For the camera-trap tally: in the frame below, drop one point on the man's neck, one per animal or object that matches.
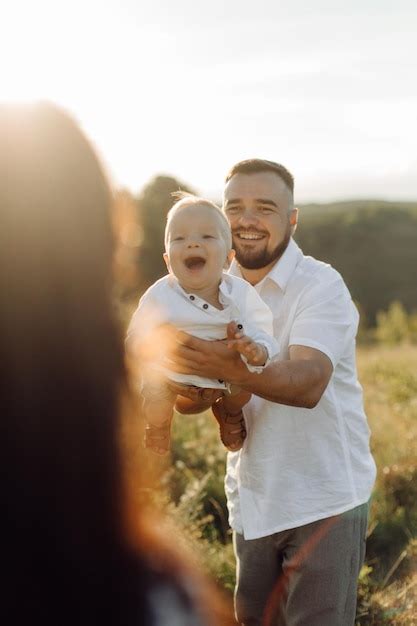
(255, 276)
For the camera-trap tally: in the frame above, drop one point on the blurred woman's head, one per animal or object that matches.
(61, 365)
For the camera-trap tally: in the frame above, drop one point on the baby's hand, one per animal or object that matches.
(255, 353)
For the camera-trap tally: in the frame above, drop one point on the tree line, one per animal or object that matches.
(372, 244)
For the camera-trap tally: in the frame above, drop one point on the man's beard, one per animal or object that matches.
(256, 261)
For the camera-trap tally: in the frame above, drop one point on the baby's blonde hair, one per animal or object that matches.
(185, 200)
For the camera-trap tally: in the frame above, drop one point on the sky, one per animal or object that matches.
(188, 88)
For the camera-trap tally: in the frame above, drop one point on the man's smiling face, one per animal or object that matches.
(259, 207)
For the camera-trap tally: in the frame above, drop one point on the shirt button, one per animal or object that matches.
(192, 297)
(205, 306)
(220, 380)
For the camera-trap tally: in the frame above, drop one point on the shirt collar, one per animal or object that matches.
(281, 272)
(224, 290)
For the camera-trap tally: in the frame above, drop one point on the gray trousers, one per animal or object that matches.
(305, 576)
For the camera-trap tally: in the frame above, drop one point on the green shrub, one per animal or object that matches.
(392, 326)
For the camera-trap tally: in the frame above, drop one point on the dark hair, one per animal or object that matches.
(254, 166)
(64, 557)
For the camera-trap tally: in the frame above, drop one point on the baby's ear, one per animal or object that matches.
(166, 259)
(229, 259)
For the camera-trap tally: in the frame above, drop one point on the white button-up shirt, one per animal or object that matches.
(301, 465)
(167, 302)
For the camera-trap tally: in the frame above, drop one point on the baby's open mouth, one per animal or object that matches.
(195, 262)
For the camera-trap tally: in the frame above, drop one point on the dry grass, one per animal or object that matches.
(389, 379)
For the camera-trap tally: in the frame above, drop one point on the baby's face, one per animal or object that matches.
(196, 251)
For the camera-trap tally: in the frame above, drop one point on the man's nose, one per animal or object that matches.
(248, 218)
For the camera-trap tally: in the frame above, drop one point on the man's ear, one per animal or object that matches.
(293, 219)
(229, 259)
(166, 259)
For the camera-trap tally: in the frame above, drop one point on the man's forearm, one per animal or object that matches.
(294, 383)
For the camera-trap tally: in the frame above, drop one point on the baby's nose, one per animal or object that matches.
(193, 243)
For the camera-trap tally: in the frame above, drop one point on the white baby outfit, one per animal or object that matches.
(167, 302)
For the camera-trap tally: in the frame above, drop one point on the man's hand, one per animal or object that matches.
(211, 359)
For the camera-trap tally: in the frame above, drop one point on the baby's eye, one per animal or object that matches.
(208, 237)
(177, 239)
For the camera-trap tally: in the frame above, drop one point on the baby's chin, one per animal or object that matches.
(196, 283)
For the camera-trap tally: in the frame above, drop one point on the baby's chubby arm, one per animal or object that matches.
(255, 353)
(147, 339)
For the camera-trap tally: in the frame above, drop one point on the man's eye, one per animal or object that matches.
(265, 209)
(233, 210)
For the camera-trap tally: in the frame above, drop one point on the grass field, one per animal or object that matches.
(388, 583)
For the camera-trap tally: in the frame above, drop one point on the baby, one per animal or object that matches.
(200, 298)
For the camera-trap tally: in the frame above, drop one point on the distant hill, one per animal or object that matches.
(352, 205)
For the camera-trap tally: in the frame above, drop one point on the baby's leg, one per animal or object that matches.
(235, 399)
(228, 413)
(158, 408)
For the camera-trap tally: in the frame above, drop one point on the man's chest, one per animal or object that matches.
(283, 306)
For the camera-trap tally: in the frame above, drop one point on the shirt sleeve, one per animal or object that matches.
(326, 318)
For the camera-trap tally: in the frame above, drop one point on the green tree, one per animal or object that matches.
(153, 204)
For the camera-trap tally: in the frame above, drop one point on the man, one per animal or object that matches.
(298, 490)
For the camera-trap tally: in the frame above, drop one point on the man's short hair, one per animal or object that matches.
(254, 166)
(184, 200)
